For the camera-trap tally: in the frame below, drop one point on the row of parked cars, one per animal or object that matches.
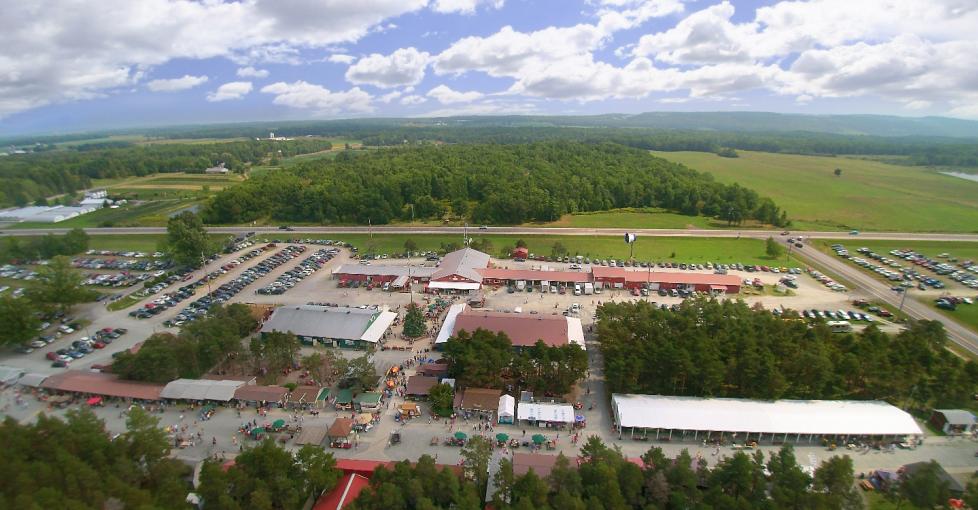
(17, 273)
(305, 268)
(128, 254)
(825, 280)
(229, 289)
(837, 315)
(96, 263)
(85, 345)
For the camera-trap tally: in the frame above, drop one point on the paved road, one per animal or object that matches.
(757, 234)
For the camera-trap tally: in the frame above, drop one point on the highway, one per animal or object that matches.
(961, 335)
(520, 230)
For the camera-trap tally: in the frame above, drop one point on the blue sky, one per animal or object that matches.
(69, 66)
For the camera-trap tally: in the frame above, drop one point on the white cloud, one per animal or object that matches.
(403, 67)
(413, 100)
(174, 84)
(445, 95)
(52, 51)
(308, 96)
(230, 91)
(251, 72)
(464, 6)
(340, 58)
(390, 96)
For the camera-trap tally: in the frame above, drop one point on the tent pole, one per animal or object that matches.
(670, 434)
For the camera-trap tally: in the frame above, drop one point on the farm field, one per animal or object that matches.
(683, 249)
(869, 195)
(638, 218)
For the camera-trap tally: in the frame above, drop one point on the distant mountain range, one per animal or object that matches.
(720, 122)
(874, 125)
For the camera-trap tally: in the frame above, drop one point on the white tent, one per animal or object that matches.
(551, 413)
(507, 409)
(789, 417)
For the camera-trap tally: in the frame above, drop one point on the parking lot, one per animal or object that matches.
(284, 274)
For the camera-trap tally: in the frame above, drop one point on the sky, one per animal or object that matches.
(71, 65)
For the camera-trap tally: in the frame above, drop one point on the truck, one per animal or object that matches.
(520, 285)
(588, 288)
(839, 326)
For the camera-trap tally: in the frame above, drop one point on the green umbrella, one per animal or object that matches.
(257, 430)
(502, 437)
(277, 424)
(460, 435)
(539, 438)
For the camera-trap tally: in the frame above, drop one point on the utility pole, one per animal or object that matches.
(465, 234)
(370, 229)
(903, 298)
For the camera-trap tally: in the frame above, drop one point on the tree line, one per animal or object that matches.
(14, 250)
(74, 463)
(510, 184)
(200, 345)
(26, 178)
(710, 348)
(487, 360)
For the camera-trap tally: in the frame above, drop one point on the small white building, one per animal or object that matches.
(219, 169)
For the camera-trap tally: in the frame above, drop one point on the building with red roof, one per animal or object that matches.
(347, 490)
(523, 329)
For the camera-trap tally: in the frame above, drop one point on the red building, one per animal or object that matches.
(616, 277)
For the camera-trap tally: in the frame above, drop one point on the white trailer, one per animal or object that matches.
(588, 288)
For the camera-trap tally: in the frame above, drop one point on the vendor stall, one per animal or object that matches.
(340, 433)
(507, 409)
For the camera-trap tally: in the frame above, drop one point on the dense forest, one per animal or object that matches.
(74, 463)
(601, 478)
(198, 347)
(508, 184)
(727, 349)
(483, 359)
(25, 178)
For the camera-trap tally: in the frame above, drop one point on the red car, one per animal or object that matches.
(98, 345)
(51, 355)
(634, 292)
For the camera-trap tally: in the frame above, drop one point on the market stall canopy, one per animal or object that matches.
(460, 435)
(507, 406)
(311, 434)
(8, 375)
(502, 436)
(201, 389)
(97, 383)
(94, 401)
(256, 393)
(341, 427)
(277, 424)
(364, 418)
(32, 379)
(539, 438)
(554, 413)
(824, 417)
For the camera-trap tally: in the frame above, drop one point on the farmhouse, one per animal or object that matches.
(338, 326)
(523, 329)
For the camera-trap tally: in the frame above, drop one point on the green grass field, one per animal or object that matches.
(869, 195)
(674, 249)
(639, 218)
